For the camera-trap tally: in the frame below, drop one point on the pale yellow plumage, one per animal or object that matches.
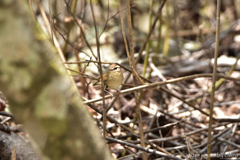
(112, 78)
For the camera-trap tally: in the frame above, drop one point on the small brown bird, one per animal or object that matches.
(112, 78)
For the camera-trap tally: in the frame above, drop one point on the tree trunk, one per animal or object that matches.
(40, 93)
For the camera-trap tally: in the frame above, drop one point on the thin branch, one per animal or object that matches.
(80, 26)
(151, 30)
(214, 80)
(108, 19)
(81, 73)
(145, 86)
(100, 71)
(69, 43)
(154, 152)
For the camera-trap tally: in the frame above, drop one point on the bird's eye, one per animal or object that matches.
(115, 68)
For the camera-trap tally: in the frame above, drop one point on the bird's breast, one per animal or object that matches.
(114, 80)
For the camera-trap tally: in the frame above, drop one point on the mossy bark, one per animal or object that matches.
(40, 93)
